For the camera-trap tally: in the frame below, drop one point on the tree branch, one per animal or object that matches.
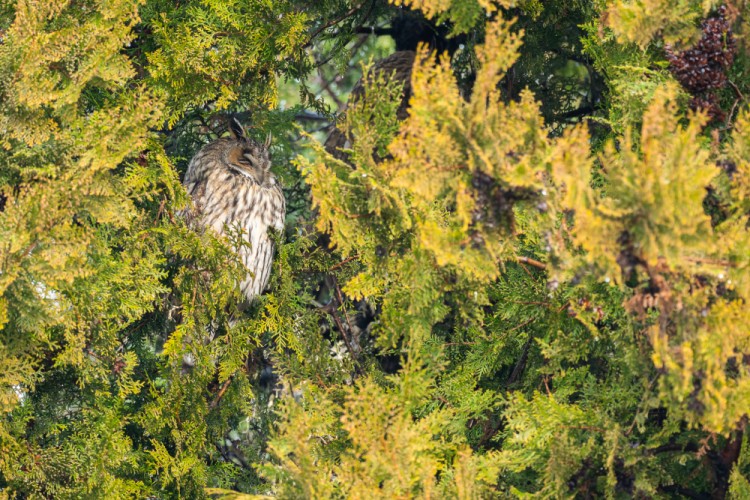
(221, 392)
(574, 113)
(312, 117)
(531, 262)
(345, 261)
(521, 364)
(332, 22)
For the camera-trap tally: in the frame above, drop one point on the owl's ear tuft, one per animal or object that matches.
(268, 140)
(236, 129)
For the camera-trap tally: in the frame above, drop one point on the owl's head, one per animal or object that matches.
(246, 157)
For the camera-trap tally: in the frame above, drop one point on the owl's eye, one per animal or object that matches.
(248, 159)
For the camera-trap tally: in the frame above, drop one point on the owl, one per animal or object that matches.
(231, 185)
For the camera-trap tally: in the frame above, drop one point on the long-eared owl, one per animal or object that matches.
(231, 184)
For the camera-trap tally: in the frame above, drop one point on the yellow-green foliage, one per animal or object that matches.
(425, 187)
(652, 205)
(653, 193)
(488, 306)
(388, 452)
(641, 21)
(463, 14)
(646, 207)
(237, 42)
(83, 255)
(62, 155)
(53, 52)
(733, 234)
(444, 143)
(705, 374)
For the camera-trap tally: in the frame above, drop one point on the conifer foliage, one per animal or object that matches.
(533, 285)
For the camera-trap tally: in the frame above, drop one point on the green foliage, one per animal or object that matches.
(632, 75)
(358, 452)
(440, 163)
(205, 49)
(486, 299)
(654, 197)
(640, 22)
(463, 15)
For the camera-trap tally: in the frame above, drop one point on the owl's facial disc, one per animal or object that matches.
(250, 161)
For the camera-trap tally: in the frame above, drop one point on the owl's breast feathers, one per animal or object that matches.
(222, 198)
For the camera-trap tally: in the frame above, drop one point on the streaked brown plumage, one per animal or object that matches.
(230, 183)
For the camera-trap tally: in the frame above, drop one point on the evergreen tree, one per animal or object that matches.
(535, 284)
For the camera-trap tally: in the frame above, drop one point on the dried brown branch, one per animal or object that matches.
(343, 262)
(711, 262)
(531, 262)
(220, 394)
(160, 211)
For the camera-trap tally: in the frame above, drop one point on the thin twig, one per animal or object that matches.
(332, 310)
(352, 52)
(740, 97)
(362, 40)
(331, 23)
(736, 90)
(351, 216)
(711, 262)
(30, 248)
(518, 327)
(334, 314)
(341, 302)
(160, 211)
(325, 86)
(532, 262)
(343, 262)
(95, 355)
(526, 270)
(221, 392)
(545, 379)
(521, 364)
(443, 400)
(731, 114)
